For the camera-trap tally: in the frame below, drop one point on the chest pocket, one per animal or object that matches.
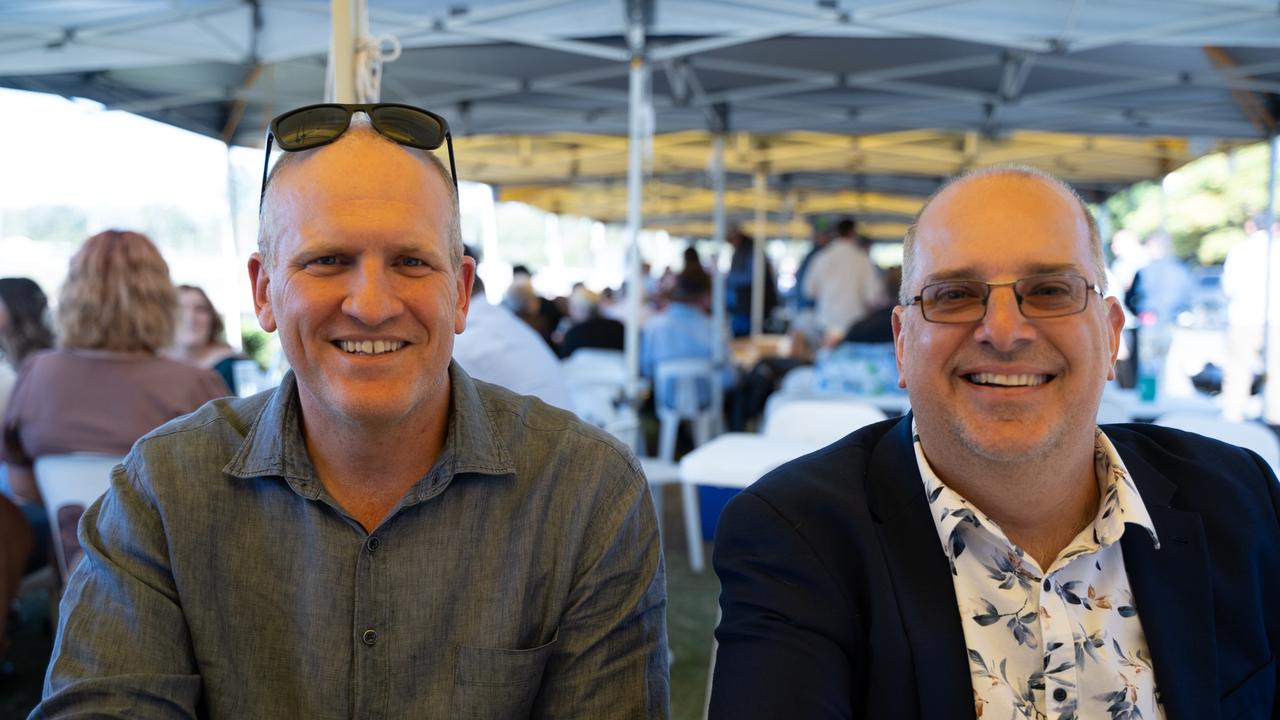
(496, 683)
(1253, 698)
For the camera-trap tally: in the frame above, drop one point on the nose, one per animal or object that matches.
(1004, 327)
(372, 297)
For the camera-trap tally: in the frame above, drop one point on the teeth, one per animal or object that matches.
(371, 347)
(1008, 380)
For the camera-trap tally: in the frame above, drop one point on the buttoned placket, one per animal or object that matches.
(370, 632)
(1058, 643)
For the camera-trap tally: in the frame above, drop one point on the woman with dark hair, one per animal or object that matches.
(24, 323)
(104, 386)
(200, 338)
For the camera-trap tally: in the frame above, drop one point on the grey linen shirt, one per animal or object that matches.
(522, 577)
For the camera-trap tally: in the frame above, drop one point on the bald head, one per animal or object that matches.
(992, 182)
(361, 138)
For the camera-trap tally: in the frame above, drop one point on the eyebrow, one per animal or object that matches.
(972, 273)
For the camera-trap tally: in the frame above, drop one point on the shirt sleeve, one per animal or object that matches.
(778, 653)
(123, 648)
(610, 659)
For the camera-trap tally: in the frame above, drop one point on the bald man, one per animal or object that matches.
(995, 553)
(381, 536)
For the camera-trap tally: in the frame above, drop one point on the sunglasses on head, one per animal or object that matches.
(314, 125)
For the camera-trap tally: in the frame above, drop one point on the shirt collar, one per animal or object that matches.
(1121, 504)
(274, 445)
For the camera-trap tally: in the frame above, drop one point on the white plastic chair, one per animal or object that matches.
(825, 420)
(71, 479)
(594, 366)
(677, 397)
(1251, 435)
(679, 387)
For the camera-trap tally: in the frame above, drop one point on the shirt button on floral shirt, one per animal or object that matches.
(1056, 644)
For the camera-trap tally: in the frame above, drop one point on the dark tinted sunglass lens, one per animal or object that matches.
(310, 127)
(408, 126)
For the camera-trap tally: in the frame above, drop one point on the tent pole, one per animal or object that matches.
(635, 185)
(719, 324)
(718, 223)
(341, 76)
(760, 182)
(1271, 359)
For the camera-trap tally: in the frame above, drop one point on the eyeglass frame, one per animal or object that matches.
(352, 109)
(1089, 286)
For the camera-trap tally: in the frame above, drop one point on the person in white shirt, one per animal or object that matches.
(500, 348)
(1249, 292)
(843, 283)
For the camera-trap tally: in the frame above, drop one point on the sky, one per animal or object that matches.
(74, 152)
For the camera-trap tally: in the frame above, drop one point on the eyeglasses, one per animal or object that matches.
(314, 125)
(1039, 296)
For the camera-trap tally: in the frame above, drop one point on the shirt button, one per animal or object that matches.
(372, 543)
(370, 637)
(1047, 586)
(1059, 694)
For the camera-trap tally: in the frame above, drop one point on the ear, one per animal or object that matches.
(259, 280)
(899, 343)
(1115, 326)
(466, 278)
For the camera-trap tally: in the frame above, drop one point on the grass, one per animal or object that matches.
(691, 613)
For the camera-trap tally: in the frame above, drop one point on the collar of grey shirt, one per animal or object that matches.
(274, 444)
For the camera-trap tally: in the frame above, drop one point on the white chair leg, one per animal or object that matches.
(692, 525)
(667, 427)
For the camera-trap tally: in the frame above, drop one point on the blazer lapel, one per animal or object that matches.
(1173, 591)
(921, 577)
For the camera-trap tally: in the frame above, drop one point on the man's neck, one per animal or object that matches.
(368, 469)
(1040, 504)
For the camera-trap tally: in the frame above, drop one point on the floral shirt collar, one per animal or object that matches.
(1060, 643)
(1120, 505)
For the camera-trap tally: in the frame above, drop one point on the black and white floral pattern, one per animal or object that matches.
(1057, 644)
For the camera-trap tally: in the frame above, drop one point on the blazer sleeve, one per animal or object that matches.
(786, 634)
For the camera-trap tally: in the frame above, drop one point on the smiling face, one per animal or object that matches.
(360, 284)
(1006, 389)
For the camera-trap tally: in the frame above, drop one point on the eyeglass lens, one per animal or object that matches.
(310, 127)
(1040, 296)
(408, 127)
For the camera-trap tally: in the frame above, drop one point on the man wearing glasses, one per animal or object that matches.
(381, 536)
(994, 553)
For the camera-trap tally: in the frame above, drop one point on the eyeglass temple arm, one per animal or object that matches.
(266, 163)
(453, 171)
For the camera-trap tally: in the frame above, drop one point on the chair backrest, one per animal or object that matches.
(71, 479)
(1254, 436)
(683, 387)
(594, 366)
(825, 420)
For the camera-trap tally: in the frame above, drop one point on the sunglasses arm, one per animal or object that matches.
(453, 171)
(266, 163)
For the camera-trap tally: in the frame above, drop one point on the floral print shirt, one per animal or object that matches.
(1061, 644)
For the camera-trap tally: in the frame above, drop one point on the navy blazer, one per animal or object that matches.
(837, 599)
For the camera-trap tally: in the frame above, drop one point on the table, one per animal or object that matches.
(1147, 411)
(733, 460)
